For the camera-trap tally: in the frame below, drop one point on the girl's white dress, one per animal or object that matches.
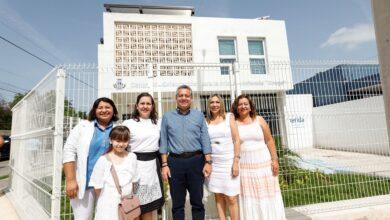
(221, 180)
(101, 178)
(260, 196)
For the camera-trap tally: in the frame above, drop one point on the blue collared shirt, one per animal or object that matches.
(184, 132)
(99, 145)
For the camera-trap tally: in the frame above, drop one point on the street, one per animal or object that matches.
(4, 171)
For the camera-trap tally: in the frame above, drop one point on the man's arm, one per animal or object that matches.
(165, 171)
(164, 137)
(206, 147)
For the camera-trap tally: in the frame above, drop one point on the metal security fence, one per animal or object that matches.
(36, 149)
(327, 118)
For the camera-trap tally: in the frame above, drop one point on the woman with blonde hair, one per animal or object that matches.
(224, 181)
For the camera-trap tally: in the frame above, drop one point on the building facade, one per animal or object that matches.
(155, 49)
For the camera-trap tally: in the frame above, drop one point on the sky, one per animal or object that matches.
(68, 32)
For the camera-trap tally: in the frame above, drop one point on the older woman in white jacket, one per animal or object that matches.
(87, 141)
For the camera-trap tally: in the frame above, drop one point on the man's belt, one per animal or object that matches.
(186, 154)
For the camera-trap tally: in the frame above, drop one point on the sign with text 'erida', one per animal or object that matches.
(297, 122)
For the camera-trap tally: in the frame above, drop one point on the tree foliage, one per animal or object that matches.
(6, 113)
(17, 98)
(70, 111)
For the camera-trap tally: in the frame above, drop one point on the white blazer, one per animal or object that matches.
(76, 149)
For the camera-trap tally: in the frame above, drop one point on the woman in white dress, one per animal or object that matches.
(224, 180)
(260, 196)
(125, 165)
(144, 142)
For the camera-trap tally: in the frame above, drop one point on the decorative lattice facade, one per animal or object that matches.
(136, 45)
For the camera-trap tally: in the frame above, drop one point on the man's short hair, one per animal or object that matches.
(183, 87)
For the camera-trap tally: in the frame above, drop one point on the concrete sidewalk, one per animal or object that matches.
(7, 211)
(333, 161)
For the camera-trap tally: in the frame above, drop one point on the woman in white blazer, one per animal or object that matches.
(87, 141)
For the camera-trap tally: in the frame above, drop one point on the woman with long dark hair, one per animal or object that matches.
(144, 142)
(87, 141)
(260, 196)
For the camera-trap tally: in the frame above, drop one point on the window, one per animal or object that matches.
(257, 66)
(226, 47)
(225, 69)
(256, 56)
(227, 53)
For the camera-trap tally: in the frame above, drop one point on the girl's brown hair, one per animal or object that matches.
(119, 133)
(221, 110)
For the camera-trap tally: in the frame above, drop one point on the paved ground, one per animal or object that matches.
(331, 161)
(371, 208)
(7, 211)
(328, 161)
(4, 171)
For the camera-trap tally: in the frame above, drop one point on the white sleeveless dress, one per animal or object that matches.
(221, 180)
(260, 196)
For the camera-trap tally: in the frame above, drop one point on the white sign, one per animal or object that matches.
(297, 122)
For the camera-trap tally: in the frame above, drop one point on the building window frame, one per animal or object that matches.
(257, 62)
(227, 58)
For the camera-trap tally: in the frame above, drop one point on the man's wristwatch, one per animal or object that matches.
(209, 162)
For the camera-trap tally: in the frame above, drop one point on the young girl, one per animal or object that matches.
(125, 165)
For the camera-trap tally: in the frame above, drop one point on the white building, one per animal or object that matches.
(137, 35)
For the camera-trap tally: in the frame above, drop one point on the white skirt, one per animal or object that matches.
(260, 196)
(221, 179)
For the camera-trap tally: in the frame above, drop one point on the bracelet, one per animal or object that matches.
(238, 156)
(274, 159)
(164, 165)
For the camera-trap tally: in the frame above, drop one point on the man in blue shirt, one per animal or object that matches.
(185, 138)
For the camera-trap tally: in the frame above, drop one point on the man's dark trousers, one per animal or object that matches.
(186, 174)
